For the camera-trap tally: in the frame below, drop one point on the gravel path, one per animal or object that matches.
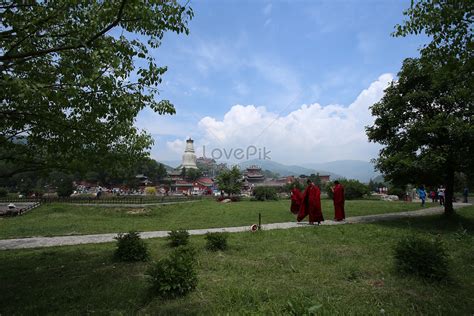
(38, 242)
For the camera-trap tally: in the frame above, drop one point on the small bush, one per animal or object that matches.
(421, 257)
(174, 276)
(130, 247)
(216, 241)
(150, 191)
(178, 238)
(400, 192)
(265, 193)
(234, 198)
(3, 192)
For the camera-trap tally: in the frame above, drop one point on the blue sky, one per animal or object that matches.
(296, 77)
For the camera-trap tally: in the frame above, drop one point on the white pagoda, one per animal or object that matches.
(189, 157)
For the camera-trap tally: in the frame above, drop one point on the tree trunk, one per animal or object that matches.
(448, 194)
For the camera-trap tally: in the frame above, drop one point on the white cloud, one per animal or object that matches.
(177, 146)
(309, 134)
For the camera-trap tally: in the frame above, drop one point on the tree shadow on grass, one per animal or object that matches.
(436, 224)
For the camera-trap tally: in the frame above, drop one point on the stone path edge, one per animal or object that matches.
(40, 242)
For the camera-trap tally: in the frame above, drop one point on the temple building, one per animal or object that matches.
(253, 174)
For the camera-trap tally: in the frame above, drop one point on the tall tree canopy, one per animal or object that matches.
(425, 118)
(75, 74)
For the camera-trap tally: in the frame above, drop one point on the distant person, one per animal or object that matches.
(99, 193)
(441, 195)
(433, 196)
(311, 204)
(465, 194)
(422, 195)
(296, 199)
(338, 199)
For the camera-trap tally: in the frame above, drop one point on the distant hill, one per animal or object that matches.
(350, 169)
(171, 163)
(285, 170)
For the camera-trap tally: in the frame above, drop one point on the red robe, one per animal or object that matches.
(311, 204)
(296, 199)
(338, 198)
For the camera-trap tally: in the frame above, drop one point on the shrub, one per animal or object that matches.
(150, 191)
(234, 198)
(3, 192)
(421, 257)
(216, 241)
(265, 193)
(174, 276)
(130, 247)
(400, 192)
(353, 189)
(178, 238)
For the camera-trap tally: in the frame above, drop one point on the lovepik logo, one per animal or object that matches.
(247, 153)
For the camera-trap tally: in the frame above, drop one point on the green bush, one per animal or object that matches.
(130, 247)
(353, 189)
(216, 241)
(175, 275)
(265, 193)
(421, 257)
(178, 238)
(3, 192)
(400, 192)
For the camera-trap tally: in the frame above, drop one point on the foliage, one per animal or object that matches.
(64, 185)
(353, 189)
(315, 178)
(230, 181)
(425, 118)
(263, 193)
(178, 238)
(150, 191)
(216, 241)
(295, 184)
(193, 174)
(3, 192)
(421, 257)
(174, 276)
(301, 306)
(374, 185)
(398, 191)
(71, 88)
(130, 247)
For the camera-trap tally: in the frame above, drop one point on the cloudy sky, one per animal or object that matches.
(292, 78)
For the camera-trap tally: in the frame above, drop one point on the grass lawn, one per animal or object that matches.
(66, 219)
(345, 269)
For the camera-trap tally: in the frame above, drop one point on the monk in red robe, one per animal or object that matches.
(311, 204)
(338, 197)
(296, 199)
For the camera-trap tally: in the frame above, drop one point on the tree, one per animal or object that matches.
(193, 174)
(71, 88)
(230, 181)
(425, 118)
(316, 179)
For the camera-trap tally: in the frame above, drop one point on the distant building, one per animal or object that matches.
(253, 175)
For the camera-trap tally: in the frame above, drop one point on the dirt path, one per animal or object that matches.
(38, 242)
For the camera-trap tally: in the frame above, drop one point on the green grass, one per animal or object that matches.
(346, 269)
(65, 219)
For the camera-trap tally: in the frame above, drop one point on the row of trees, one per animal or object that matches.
(39, 182)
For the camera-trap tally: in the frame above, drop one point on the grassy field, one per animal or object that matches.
(65, 219)
(343, 269)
